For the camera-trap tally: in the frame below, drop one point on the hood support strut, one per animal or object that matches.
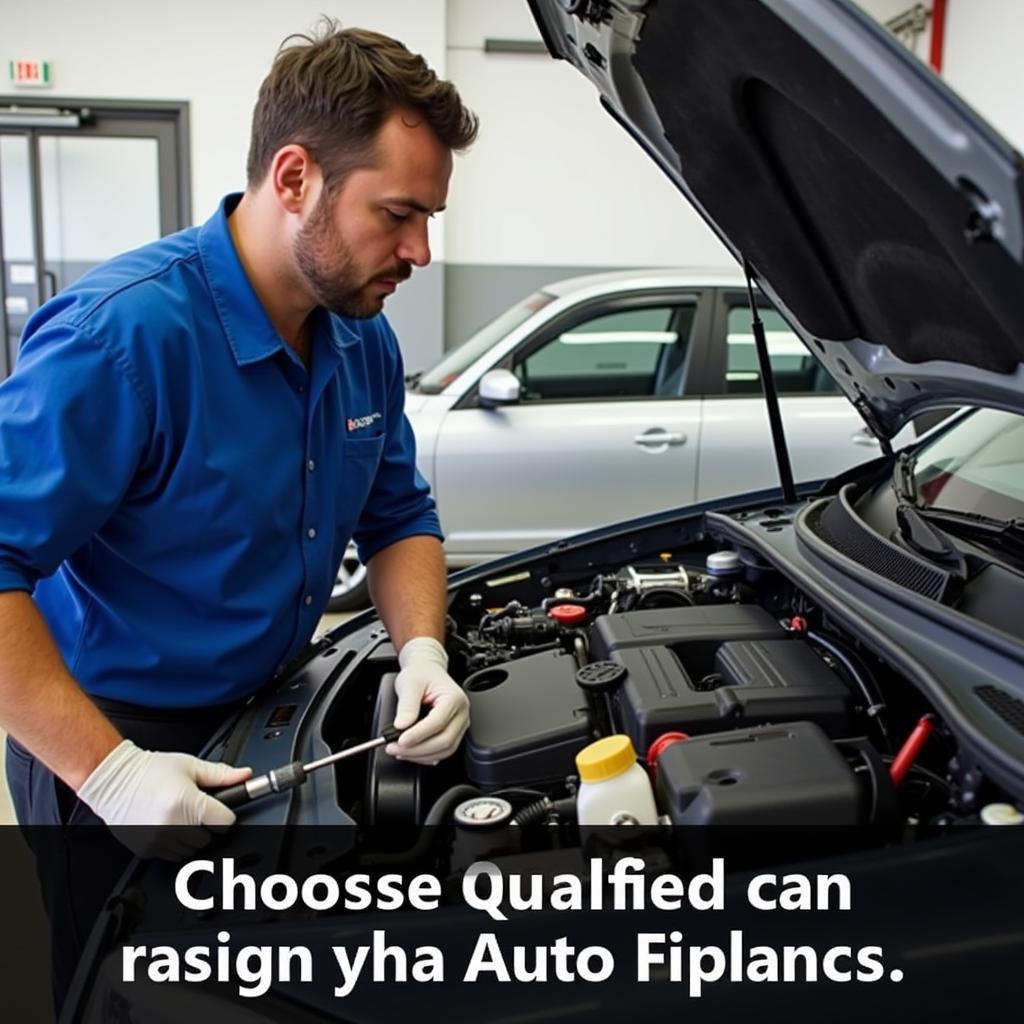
(771, 396)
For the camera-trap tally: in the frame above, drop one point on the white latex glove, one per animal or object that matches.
(134, 787)
(424, 679)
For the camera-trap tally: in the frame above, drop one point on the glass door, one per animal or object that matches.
(79, 184)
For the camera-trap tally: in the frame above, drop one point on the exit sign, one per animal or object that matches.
(30, 73)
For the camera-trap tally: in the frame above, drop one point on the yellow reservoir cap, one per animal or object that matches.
(605, 758)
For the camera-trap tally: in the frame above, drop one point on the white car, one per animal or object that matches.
(604, 397)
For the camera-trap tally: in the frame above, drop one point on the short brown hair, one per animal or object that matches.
(331, 91)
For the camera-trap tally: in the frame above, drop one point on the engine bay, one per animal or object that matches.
(740, 715)
(701, 701)
(743, 701)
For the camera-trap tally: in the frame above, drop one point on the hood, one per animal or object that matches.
(879, 212)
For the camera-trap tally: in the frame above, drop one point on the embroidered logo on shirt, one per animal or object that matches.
(361, 421)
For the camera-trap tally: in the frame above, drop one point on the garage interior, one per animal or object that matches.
(487, 254)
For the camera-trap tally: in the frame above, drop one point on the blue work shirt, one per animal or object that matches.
(177, 490)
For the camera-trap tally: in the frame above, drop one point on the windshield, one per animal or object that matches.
(459, 359)
(977, 466)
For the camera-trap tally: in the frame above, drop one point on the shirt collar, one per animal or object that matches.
(246, 325)
(250, 333)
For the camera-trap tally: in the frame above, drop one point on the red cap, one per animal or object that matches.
(568, 614)
(798, 624)
(666, 739)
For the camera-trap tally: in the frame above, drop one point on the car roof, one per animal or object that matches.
(650, 277)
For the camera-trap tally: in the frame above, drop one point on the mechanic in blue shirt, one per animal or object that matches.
(192, 434)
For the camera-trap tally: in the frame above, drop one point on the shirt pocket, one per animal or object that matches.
(364, 449)
(360, 458)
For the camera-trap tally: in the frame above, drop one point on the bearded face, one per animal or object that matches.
(334, 272)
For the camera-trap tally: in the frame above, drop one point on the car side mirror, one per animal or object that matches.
(499, 387)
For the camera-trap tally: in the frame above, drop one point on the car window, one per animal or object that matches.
(453, 363)
(794, 369)
(633, 353)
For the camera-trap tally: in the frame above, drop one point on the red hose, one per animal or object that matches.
(911, 748)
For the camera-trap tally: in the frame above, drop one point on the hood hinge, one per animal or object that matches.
(867, 414)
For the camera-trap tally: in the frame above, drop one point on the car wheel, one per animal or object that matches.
(351, 588)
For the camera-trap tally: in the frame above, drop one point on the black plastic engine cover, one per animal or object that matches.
(712, 624)
(784, 680)
(776, 775)
(767, 675)
(528, 719)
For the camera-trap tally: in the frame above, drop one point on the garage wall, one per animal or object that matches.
(214, 55)
(537, 190)
(983, 54)
(532, 202)
(533, 199)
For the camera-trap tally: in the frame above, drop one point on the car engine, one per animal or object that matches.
(743, 702)
(741, 717)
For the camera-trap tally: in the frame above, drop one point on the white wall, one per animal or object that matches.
(537, 188)
(213, 54)
(983, 60)
(553, 179)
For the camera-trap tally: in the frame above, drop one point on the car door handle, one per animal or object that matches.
(658, 438)
(862, 437)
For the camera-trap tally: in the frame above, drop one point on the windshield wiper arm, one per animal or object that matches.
(924, 538)
(1008, 533)
(912, 520)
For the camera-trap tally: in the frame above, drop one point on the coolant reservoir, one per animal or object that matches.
(614, 789)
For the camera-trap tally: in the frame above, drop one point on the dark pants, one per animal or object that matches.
(78, 867)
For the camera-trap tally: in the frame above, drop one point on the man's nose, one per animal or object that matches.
(414, 246)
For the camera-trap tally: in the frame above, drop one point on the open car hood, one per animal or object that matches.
(881, 215)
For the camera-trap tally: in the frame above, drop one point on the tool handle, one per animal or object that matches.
(233, 796)
(286, 777)
(390, 734)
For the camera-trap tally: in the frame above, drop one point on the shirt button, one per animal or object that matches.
(311, 533)
(307, 600)
(301, 388)
(311, 465)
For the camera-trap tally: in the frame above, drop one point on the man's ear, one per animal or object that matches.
(295, 179)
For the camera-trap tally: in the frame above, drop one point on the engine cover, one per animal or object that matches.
(758, 672)
(529, 718)
(527, 721)
(778, 775)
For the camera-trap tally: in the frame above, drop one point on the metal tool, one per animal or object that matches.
(291, 775)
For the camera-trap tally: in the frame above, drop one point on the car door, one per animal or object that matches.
(599, 433)
(824, 433)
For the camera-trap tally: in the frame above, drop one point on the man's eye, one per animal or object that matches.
(394, 215)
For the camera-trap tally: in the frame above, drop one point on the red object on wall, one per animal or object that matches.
(938, 34)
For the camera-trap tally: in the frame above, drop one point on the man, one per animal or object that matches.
(192, 434)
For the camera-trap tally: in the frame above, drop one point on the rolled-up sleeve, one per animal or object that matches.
(399, 504)
(73, 429)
